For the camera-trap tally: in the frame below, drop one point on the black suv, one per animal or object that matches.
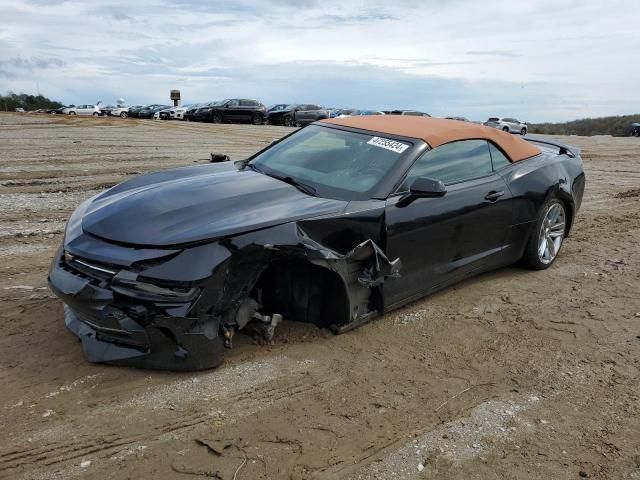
(238, 110)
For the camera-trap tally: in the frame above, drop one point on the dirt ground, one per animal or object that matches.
(510, 375)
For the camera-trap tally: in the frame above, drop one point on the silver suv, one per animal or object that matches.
(507, 125)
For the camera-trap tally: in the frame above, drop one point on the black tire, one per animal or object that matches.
(288, 121)
(96, 114)
(123, 114)
(505, 129)
(72, 113)
(636, 132)
(532, 258)
(257, 119)
(523, 132)
(217, 117)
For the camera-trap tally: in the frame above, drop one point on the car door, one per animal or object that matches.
(442, 240)
(302, 114)
(232, 110)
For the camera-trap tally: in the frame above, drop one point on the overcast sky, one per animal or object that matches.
(536, 60)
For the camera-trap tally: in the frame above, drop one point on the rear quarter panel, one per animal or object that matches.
(532, 182)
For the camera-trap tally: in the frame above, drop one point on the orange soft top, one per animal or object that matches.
(438, 131)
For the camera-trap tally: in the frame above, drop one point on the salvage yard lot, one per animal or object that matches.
(513, 374)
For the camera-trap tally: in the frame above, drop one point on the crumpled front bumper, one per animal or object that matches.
(117, 331)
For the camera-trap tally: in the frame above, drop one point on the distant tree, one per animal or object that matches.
(11, 101)
(619, 126)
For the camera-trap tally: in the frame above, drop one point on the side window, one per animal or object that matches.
(498, 158)
(232, 103)
(451, 163)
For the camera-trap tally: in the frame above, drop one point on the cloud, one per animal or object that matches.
(33, 63)
(494, 53)
(542, 61)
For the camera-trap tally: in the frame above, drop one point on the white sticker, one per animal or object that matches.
(388, 144)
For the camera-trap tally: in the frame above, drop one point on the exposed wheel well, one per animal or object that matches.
(302, 291)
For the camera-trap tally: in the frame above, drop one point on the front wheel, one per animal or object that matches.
(123, 114)
(95, 114)
(505, 129)
(523, 132)
(217, 117)
(288, 121)
(72, 113)
(547, 235)
(257, 119)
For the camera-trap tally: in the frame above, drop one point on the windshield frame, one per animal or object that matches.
(382, 190)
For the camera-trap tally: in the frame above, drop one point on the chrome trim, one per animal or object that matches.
(93, 267)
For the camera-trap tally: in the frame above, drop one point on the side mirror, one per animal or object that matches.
(422, 187)
(427, 187)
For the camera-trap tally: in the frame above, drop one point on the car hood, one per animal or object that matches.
(197, 204)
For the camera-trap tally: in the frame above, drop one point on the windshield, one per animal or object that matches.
(336, 163)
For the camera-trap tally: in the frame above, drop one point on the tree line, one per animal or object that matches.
(11, 101)
(619, 126)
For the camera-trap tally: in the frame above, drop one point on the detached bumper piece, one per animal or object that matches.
(120, 330)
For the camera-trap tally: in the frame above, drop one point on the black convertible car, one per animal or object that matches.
(334, 224)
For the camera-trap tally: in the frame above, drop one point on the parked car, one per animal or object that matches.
(161, 270)
(133, 111)
(177, 113)
(351, 112)
(19, 110)
(164, 114)
(119, 111)
(148, 111)
(203, 112)
(460, 119)
(278, 107)
(85, 110)
(635, 129)
(507, 125)
(413, 113)
(304, 114)
(275, 116)
(106, 110)
(238, 110)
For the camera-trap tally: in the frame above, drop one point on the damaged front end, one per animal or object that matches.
(178, 308)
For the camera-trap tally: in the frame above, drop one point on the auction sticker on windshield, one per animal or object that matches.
(388, 144)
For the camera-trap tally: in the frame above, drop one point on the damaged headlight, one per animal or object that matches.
(149, 291)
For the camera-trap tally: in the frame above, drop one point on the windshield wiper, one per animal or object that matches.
(303, 187)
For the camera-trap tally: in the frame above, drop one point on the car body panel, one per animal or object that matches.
(161, 270)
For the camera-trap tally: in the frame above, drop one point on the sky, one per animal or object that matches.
(536, 60)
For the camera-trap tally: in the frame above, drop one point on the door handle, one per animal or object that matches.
(493, 195)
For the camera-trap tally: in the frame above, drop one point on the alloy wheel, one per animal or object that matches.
(551, 233)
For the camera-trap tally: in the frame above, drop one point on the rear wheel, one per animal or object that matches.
(523, 132)
(72, 113)
(288, 121)
(217, 117)
(257, 119)
(547, 235)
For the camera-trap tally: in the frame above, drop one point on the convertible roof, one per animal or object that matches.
(438, 131)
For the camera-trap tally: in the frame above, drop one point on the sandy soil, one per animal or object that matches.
(513, 374)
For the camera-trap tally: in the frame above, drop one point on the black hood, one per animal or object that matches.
(197, 204)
